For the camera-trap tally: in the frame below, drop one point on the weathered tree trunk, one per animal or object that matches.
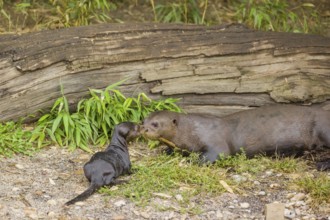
(219, 69)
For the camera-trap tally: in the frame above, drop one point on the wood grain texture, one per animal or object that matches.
(218, 69)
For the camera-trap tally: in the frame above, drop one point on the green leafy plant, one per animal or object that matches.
(95, 117)
(15, 139)
(278, 15)
(184, 11)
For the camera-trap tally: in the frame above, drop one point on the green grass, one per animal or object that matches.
(275, 15)
(15, 139)
(183, 11)
(317, 186)
(170, 175)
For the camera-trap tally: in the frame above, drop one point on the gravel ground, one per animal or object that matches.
(37, 187)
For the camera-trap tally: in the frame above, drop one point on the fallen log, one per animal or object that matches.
(217, 69)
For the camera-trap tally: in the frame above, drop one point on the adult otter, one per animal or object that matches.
(106, 165)
(265, 129)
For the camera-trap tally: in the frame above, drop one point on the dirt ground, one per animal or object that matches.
(37, 187)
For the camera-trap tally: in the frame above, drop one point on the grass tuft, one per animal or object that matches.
(317, 186)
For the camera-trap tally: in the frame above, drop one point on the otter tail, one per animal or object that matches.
(87, 193)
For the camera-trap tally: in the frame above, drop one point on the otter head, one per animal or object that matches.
(128, 130)
(161, 124)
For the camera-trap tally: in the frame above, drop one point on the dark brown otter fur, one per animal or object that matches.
(265, 129)
(105, 166)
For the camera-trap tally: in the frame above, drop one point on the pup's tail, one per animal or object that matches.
(87, 193)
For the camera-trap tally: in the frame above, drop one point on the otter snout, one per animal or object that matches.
(142, 128)
(134, 133)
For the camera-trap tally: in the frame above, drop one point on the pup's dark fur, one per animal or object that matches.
(269, 129)
(105, 166)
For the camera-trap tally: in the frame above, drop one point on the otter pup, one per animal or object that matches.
(105, 166)
(267, 129)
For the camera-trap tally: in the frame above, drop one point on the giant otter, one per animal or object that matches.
(105, 166)
(266, 129)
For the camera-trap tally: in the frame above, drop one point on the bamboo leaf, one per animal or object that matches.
(66, 123)
(56, 122)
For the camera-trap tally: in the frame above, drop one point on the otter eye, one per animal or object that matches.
(155, 124)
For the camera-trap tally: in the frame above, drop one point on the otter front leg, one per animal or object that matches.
(211, 154)
(208, 157)
(169, 150)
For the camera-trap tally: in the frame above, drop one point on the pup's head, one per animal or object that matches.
(128, 130)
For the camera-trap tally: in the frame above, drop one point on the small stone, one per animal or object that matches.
(290, 214)
(15, 189)
(289, 205)
(299, 203)
(120, 203)
(51, 181)
(31, 213)
(46, 196)
(179, 197)
(298, 212)
(231, 207)
(38, 193)
(145, 215)
(290, 195)
(298, 197)
(51, 214)
(274, 185)
(256, 182)
(269, 172)
(245, 205)
(261, 193)
(219, 215)
(19, 166)
(239, 178)
(51, 202)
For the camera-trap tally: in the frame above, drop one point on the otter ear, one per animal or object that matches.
(175, 122)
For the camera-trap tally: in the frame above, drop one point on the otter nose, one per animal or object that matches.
(143, 129)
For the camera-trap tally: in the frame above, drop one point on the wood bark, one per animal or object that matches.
(218, 69)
